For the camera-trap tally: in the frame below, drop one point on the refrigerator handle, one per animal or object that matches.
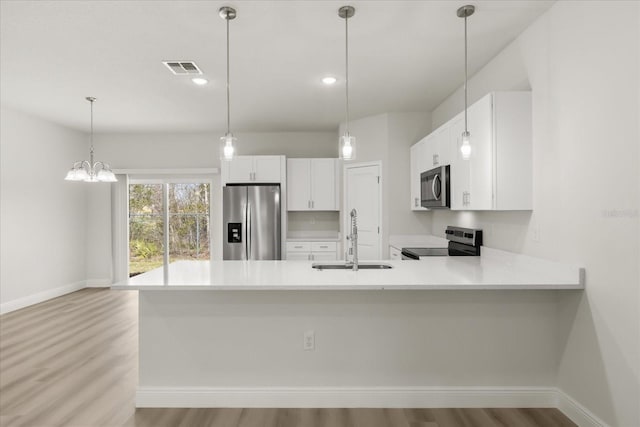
(248, 231)
(244, 230)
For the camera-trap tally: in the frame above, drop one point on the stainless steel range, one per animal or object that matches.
(462, 242)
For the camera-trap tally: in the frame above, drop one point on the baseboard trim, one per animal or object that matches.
(98, 283)
(345, 397)
(577, 412)
(23, 302)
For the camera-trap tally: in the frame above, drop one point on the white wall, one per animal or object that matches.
(42, 216)
(387, 138)
(195, 150)
(582, 67)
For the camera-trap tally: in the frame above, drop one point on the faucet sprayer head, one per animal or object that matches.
(353, 213)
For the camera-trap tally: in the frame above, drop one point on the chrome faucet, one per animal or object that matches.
(353, 238)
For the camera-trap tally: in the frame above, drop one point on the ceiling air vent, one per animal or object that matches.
(182, 67)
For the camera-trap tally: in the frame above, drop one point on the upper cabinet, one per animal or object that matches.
(498, 175)
(419, 163)
(312, 185)
(253, 169)
(430, 152)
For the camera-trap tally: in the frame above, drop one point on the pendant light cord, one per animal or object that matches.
(465, 75)
(346, 61)
(91, 136)
(228, 96)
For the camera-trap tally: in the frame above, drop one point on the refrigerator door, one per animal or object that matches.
(234, 217)
(263, 231)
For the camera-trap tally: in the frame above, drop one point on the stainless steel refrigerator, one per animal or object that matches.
(251, 221)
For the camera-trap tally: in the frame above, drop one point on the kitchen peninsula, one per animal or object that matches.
(281, 334)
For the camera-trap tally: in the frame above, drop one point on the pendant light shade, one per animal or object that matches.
(88, 170)
(228, 141)
(347, 141)
(465, 147)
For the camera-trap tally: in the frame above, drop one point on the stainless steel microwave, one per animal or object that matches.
(435, 188)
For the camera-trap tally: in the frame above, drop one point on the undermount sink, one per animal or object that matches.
(361, 266)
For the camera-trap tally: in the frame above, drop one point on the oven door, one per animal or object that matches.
(434, 188)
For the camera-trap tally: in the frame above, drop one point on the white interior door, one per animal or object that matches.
(362, 193)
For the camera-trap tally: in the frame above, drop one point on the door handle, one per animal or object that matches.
(244, 231)
(248, 231)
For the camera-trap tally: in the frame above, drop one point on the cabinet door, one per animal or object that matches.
(298, 184)
(298, 256)
(240, 169)
(267, 169)
(459, 167)
(417, 165)
(442, 146)
(323, 185)
(324, 256)
(429, 153)
(481, 176)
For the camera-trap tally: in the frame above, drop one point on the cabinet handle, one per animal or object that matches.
(436, 159)
(324, 247)
(313, 204)
(415, 202)
(298, 247)
(309, 204)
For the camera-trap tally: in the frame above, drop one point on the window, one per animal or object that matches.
(169, 222)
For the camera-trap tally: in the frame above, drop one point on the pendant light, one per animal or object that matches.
(228, 141)
(465, 147)
(88, 170)
(347, 141)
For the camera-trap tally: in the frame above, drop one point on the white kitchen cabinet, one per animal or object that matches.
(312, 251)
(312, 185)
(498, 175)
(395, 254)
(430, 152)
(441, 147)
(253, 169)
(418, 156)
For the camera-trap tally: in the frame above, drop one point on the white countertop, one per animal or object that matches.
(493, 270)
(400, 241)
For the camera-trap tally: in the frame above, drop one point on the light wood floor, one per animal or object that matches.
(72, 361)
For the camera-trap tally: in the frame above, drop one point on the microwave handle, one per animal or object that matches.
(433, 186)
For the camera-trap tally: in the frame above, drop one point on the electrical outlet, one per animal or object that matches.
(535, 233)
(309, 342)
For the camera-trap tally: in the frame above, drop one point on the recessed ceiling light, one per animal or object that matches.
(329, 80)
(199, 81)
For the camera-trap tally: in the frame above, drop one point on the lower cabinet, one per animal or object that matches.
(312, 251)
(395, 253)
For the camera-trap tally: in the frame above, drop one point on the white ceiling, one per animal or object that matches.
(404, 56)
